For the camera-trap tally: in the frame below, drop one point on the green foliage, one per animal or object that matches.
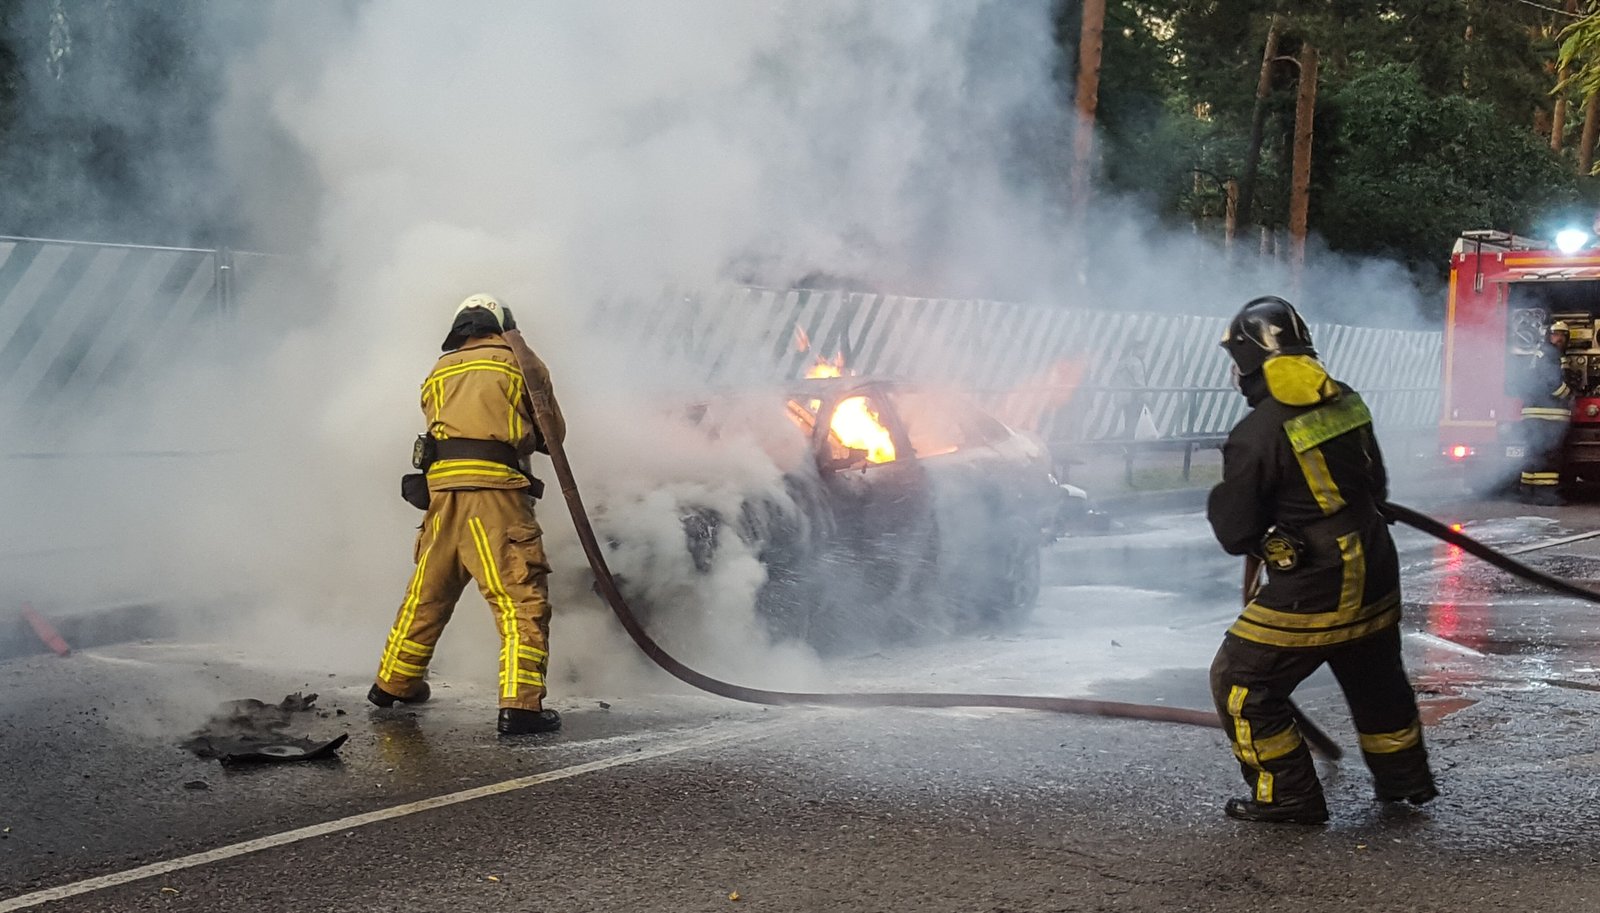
(1408, 170)
(1427, 118)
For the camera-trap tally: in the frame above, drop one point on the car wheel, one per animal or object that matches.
(1012, 586)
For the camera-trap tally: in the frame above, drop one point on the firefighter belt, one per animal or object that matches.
(490, 536)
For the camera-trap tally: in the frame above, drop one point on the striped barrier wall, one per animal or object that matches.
(77, 318)
(1045, 369)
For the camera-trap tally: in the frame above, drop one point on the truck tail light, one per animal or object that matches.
(1458, 452)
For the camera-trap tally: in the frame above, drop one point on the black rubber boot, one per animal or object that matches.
(382, 698)
(528, 722)
(1422, 795)
(1302, 811)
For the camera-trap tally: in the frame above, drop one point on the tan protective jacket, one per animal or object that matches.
(477, 392)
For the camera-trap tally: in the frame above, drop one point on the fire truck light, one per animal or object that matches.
(1571, 240)
(1459, 452)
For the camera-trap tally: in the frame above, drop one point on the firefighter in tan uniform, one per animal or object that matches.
(1302, 481)
(479, 522)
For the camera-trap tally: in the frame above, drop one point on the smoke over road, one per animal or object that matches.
(558, 155)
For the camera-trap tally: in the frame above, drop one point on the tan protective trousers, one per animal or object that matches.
(491, 536)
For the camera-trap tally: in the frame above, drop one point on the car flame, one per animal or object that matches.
(855, 425)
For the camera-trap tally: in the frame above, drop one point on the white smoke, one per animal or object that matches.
(559, 155)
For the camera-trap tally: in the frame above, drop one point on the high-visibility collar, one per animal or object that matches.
(1298, 380)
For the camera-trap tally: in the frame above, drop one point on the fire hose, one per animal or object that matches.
(606, 583)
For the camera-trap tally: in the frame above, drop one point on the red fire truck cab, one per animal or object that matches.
(1504, 293)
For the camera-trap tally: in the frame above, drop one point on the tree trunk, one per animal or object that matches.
(1258, 121)
(1591, 127)
(1558, 123)
(1300, 189)
(1090, 40)
(1230, 220)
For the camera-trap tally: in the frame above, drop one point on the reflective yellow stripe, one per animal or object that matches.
(525, 652)
(529, 678)
(1273, 637)
(1276, 746)
(411, 646)
(508, 610)
(1391, 742)
(514, 422)
(465, 367)
(1347, 613)
(408, 609)
(410, 670)
(1354, 582)
(1243, 745)
(451, 468)
(1546, 413)
(1264, 787)
(1326, 422)
(1320, 480)
(1541, 478)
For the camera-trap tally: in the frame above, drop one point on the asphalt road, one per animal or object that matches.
(666, 800)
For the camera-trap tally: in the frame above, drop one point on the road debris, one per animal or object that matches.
(252, 732)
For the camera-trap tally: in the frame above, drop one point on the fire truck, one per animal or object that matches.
(1505, 291)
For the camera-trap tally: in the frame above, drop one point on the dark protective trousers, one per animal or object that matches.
(1544, 437)
(1251, 684)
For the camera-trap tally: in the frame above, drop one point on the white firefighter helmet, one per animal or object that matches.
(478, 315)
(488, 303)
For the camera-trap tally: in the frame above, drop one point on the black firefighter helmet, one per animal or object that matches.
(1264, 328)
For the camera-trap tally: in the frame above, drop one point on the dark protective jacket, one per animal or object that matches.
(1305, 460)
(1544, 391)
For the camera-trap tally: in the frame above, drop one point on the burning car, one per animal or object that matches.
(904, 511)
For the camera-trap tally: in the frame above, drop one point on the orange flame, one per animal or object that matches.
(854, 423)
(856, 426)
(827, 368)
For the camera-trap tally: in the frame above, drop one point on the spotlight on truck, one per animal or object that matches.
(1571, 240)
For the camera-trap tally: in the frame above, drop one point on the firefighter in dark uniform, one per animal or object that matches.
(1546, 417)
(1301, 488)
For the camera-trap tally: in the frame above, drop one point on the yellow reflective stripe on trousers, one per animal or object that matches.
(1274, 747)
(1314, 466)
(1264, 787)
(409, 670)
(508, 610)
(1546, 413)
(408, 609)
(1243, 745)
(412, 647)
(1391, 742)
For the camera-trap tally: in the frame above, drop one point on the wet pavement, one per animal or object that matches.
(653, 798)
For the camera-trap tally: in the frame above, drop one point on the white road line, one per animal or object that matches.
(1552, 543)
(231, 851)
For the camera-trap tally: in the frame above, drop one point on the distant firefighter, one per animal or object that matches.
(1302, 482)
(479, 522)
(1546, 416)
